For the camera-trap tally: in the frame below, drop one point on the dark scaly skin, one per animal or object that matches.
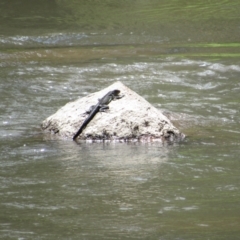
(100, 106)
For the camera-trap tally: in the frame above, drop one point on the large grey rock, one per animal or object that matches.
(130, 118)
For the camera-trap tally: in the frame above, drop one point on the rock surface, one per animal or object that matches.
(130, 118)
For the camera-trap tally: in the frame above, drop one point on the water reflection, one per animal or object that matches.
(52, 40)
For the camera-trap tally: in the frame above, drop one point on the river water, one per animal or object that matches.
(182, 57)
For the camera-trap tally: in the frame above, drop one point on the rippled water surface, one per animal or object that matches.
(183, 57)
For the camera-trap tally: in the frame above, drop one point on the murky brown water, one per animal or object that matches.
(183, 57)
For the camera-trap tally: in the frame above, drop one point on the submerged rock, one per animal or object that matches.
(130, 118)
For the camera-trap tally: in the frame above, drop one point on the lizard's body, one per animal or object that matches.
(100, 106)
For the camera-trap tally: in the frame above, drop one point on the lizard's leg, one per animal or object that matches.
(90, 109)
(118, 97)
(103, 108)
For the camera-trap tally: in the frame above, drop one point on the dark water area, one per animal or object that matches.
(181, 56)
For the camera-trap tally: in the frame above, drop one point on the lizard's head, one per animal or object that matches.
(116, 92)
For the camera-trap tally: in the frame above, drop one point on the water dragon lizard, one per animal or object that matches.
(101, 106)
